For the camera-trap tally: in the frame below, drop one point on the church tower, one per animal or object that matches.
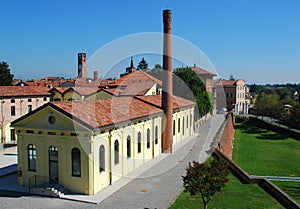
(131, 68)
(82, 71)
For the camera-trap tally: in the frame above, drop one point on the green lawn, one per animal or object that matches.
(265, 153)
(292, 188)
(233, 195)
(258, 152)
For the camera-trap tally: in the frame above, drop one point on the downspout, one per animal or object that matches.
(2, 123)
(93, 154)
(153, 137)
(109, 157)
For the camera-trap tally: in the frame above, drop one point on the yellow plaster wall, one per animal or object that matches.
(72, 95)
(99, 95)
(57, 95)
(64, 144)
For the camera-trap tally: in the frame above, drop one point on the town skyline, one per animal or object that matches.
(256, 41)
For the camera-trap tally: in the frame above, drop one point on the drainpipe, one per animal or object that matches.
(2, 123)
(109, 157)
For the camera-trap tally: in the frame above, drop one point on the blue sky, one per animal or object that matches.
(257, 40)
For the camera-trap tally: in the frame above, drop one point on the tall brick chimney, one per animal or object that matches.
(167, 88)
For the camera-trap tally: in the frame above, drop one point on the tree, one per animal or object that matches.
(143, 65)
(157, 66)
(156, 71)
(6, 78)
(206, 178)
(190, 79)
(231, 77)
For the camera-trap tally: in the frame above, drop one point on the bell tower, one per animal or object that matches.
(82, 72)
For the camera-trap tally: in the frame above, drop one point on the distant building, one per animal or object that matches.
(206, 77)
(16, 101)
(231, 94)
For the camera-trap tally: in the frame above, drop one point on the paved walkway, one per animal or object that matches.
(8, 161)
(281, 178)
(156, 184)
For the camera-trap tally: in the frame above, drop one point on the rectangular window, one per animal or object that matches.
(183, 126)
(30, 131)
(187, 121)
(12, 134)
(45, 99)
(29, 100)
(174, 128)
(29, 108)
(12, 101)
(12, 110)
(178, 125)
(31, 150)
(76, 162)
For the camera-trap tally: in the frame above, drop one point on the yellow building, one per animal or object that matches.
(87, 145)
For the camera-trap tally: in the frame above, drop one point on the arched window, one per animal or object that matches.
(76, 164)
(101, 159)
(178, 125)
(174, 128)
(139, 142)
(116, 152)
(156, 135)
(31, 157)
(182, 125)
(128, 147)
(148, 138)
(187, 121)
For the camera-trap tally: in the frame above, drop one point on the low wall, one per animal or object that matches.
(222, 147)
(262, 182)
(202, 120)
(225, 136)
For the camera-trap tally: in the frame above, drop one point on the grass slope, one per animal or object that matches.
(262, 152)
(291, 188)
(233, 195)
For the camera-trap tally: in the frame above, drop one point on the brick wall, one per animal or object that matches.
(226, 142)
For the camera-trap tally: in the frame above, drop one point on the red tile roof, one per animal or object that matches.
(201, 71)
(225, 82)
(42, 83)
(137, 83)
(84, 91)
(106, 112)
(138, 76)
(178, 102)
(21, 91)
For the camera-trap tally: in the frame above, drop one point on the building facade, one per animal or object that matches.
(86, 151)
(16, 101)
(230, 94)
(206, 77)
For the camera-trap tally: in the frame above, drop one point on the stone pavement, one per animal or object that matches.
(8, 161)
(156, 184)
